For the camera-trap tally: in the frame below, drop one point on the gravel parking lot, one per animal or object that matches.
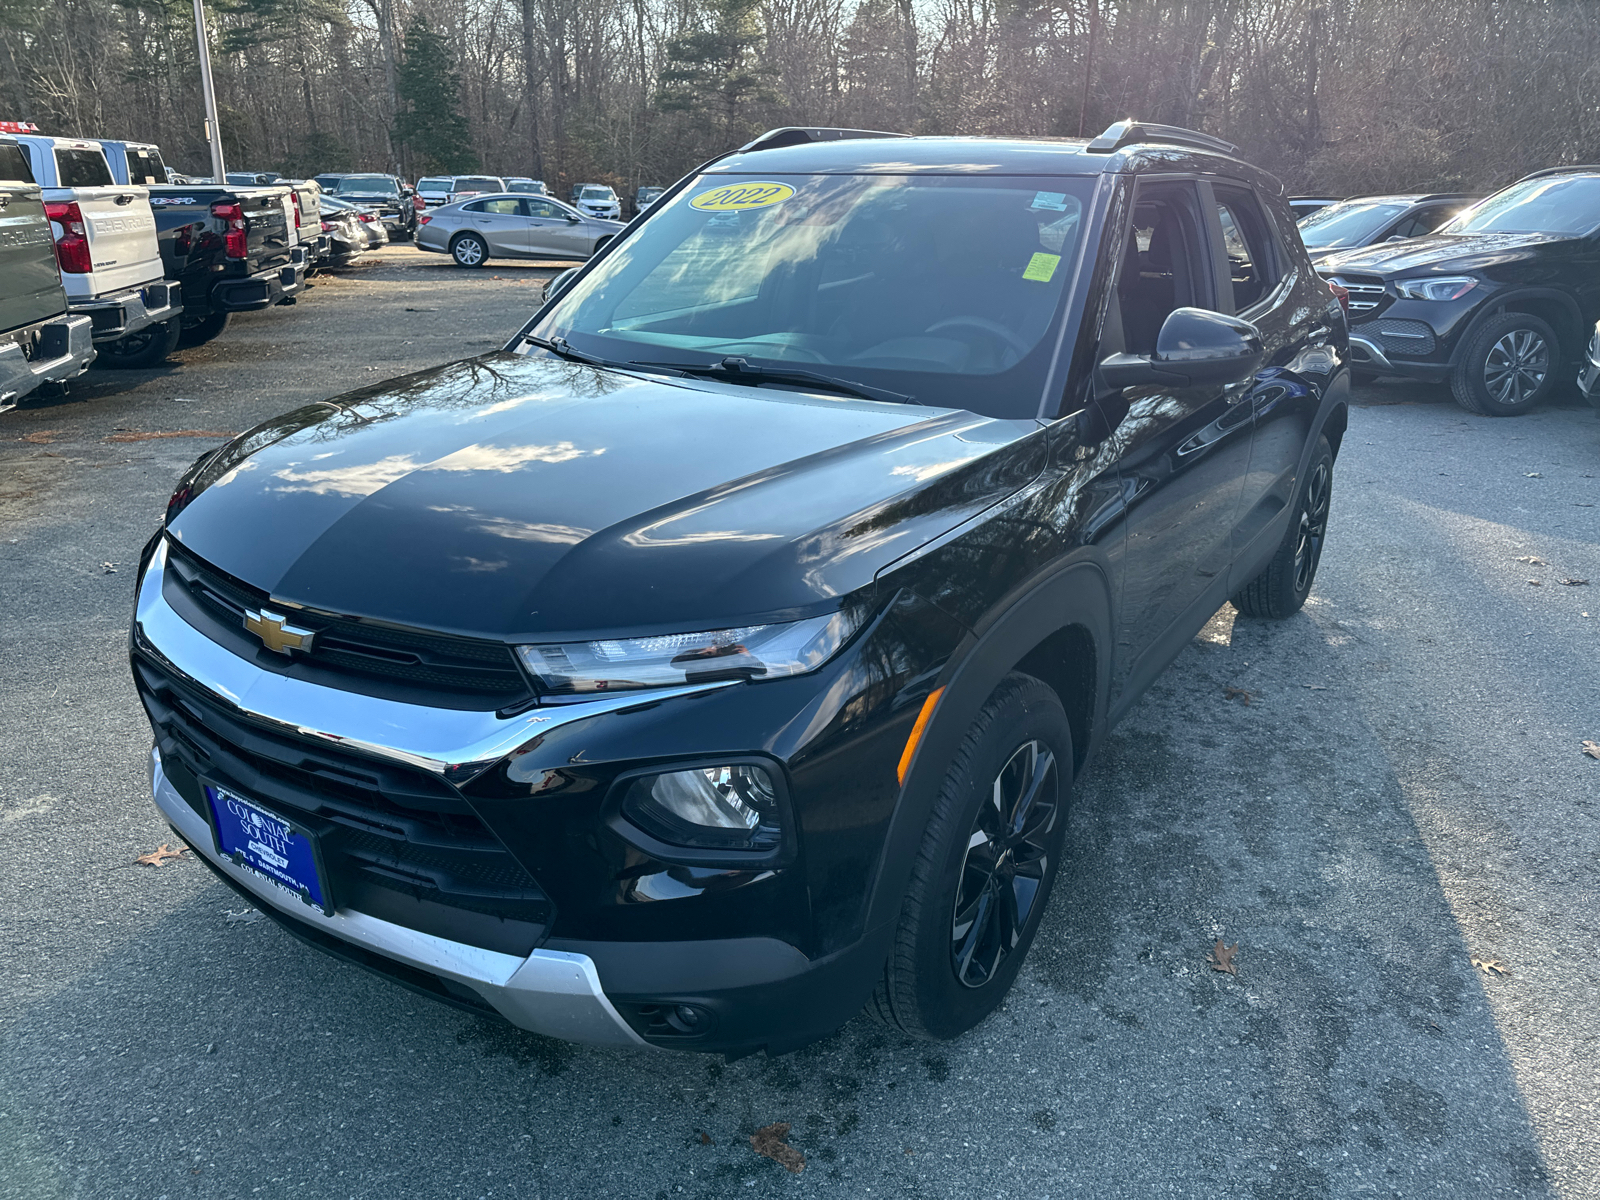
(1363, 799)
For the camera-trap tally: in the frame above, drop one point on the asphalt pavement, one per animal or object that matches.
(1363, 800)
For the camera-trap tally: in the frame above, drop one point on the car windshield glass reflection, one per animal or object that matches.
(365, 185)
(598, 193)
(1556, 204)
(943, 287)
(1347, 224)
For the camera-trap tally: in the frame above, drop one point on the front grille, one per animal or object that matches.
(1412, 338)
(398, 842)
(381, 660)
(1366, 291)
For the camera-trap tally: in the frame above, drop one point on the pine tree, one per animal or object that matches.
(716, 70)
(429, 122)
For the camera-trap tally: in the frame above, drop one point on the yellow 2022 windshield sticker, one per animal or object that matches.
(735, 197)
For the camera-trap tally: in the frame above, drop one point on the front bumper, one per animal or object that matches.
(551, 992)
(121, 313)
(65, 350)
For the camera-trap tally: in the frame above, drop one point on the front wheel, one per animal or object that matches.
(1508, 367)
(143, 350)
(983, 875)
(1285, 582)
(469, 251)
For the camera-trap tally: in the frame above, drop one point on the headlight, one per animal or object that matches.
(753, 652)
(725, 807)
(1449, 287)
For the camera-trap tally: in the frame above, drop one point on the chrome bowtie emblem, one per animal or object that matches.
(276, 633)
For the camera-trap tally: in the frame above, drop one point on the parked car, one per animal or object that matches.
(41, 342)
(1304, 206)
(135, 162)
(597, 200)
(464, 187)
(1589, 375)
(367, 219)
(346, 237)
(435, 189)
(105, 235)
(645, 197)
(1369, 220)
(385, 195)
(527, 187)
(328, 180)
(229, 249)
(719, 657)
(252, 178)
(1499, 301)
(507, 226)
(307, 198)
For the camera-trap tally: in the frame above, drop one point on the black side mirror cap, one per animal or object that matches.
(557, 284)
(1195, 348)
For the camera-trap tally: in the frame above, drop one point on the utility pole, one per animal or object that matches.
(213, 130)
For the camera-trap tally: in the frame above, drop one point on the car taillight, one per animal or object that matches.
(296, 196)
(72, 243)
(327, 228)
(236, 241)
(1342, 295)
(364, 217)
(423, 220)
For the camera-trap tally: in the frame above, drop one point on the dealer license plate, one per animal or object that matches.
(280, 849)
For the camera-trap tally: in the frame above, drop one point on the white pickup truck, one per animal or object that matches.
(105, 235)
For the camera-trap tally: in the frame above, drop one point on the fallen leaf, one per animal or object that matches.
(1592, 749)
(1534, 582)
(1574, 583)
(136, 435)
(769, 1141)
(108, 568)
(1532, 561)
(705, 1138)
(1237, 693)
(248, 917)
(41, 437)
(160, 855)
(1490, 966)
(1221, 957)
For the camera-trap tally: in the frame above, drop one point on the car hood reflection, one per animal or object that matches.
(529, 497)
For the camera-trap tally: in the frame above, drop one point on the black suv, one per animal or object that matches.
(719, 657)
(1369, 220)
(389, 197)
(1499, 302)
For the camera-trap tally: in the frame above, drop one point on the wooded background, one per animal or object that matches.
(1337, 96)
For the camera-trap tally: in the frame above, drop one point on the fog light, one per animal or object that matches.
(732, 807)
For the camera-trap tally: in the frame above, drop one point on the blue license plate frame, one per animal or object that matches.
(281, 850)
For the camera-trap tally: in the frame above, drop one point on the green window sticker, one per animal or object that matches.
(1042, 267)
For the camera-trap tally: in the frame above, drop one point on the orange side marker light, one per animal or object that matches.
(917, 731)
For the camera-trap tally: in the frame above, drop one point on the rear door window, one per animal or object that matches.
(82, 169)
(145, 166)
(502, 208)
(13, 166)
(1246, 238)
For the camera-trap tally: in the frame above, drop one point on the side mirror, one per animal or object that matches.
(1195, 348)
(573, 219)
(1395, 238)
(557, 284)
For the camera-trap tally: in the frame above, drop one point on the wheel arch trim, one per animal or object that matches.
(1505, 303)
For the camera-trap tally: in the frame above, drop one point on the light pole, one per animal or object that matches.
(213, 129)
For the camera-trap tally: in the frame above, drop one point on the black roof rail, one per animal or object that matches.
(1130, 132)
(800, 135)
(1570, 168)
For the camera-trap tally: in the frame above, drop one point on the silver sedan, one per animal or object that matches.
(511, 226)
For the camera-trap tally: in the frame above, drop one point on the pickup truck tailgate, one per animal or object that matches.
(122, 239)
(30, 287)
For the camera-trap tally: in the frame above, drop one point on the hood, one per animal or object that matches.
(525, 498)
(1455, 251)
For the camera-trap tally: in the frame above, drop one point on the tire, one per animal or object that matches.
(142, 350)
(468, 250)
(1285, 582)
(971, 913)
(1508, 367)
(204, 329)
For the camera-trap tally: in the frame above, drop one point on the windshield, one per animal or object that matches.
(366, 185)
(598, 193)
(478, 183)
(943, 287)
(1554, 204)
(433, 185)
(650, 193)
(1354, 223)
(529, 187)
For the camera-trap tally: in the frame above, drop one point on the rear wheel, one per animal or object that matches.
(599, 246)
(983, 875)
(468, 250)
(203, 329)
(1507, 367)
(147, 348)
(1285, 582)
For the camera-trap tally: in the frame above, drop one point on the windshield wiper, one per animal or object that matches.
(738, 370)
(561, 347)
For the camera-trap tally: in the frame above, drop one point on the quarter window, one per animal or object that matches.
(1252, 264)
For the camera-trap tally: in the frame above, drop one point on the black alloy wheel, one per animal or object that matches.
(1509, 365)
(991, 848)
(1281, 588)
(468, 250)
(141, 350)
(1008, 857)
